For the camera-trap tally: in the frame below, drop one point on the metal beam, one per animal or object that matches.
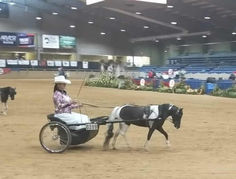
(170, 36)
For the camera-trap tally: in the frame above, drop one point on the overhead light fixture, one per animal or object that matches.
(154, 1)
(156, 41)
(178, 38)
(73, 8)
(122, 30)
(89, 2)
(90, 22)
(204, 36)
(174, 23)
(146, 27)
(233, 33)
(38, 18)
(138, 13)
(11, 3)
(102, 33)
(54, 13)
(165, 51)
(207, 17)
(112, 18)
(170, 6)
(72, 26)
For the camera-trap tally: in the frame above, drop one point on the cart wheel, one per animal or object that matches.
(55, 137)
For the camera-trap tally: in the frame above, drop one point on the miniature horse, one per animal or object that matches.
(4, 94)
(152, 116)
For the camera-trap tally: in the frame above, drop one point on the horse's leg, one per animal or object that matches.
(150, 132)
(123, 129)
(108, 136)
(115, 138)
(161, 130)
(5, 109)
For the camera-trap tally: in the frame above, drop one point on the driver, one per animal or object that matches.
(64, 104)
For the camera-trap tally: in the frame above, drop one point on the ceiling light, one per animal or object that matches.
(207, 18)
(55, 13)
(165, 51)
(154, 1)
(12, 3)
(174, 23)
(156, 41)
(146, 27)
(170, 6)
(233, 33)
(38, 18)
(178, 38)
(204, 36)
(122, 30)
(72, 26)
(138, 13)
(112, 18)
(103, 33)
(73, 8)
(90, 22)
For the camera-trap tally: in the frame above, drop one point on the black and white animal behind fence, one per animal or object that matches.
(152, 116)
(4, 95)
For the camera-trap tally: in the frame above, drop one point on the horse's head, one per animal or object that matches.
(176, 114)
(12, 93)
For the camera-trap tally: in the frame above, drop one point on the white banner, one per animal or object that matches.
(50, 63)
(34, 62)
(23, 62)
(2, 63)
(73, 64)
(12, 62)
(58, 63)
(66, 63)
(51, 41)
(85, 65)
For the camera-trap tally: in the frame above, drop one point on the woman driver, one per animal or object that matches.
(63, 104)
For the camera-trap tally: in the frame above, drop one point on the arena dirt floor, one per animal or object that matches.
(204, 146)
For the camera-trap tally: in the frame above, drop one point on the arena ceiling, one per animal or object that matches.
(178, 20)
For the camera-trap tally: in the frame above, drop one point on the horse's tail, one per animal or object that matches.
(109, 133)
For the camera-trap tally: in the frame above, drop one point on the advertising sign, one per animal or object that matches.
(25, 40)
(8, 39)
(2, 63)
(85, 65)
(50, 41)
(50, 63)
(66, 63)
(34, 62)
(12, 62)
(58, 63)
(67, 42)
(73, 63)
(23, 62)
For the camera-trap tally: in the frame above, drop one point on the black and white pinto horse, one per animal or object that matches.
(4, 94)
(152, 116)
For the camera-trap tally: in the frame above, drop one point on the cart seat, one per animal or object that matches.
(51, 117)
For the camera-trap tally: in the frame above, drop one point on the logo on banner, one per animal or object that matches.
(51, 41)
(8, 39)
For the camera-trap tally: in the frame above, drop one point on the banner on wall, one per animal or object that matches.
(50, 41)
(12, 62)
(23, 62)
(85, 65)
(2, 63)
(68, 42)
(73, 64)
(50, 63)
(25, 40)
(34, 62)
(66, 63)
(58, 63)
(8, 39)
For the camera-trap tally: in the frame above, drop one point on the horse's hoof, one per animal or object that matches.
(168, 143)
(114, 148)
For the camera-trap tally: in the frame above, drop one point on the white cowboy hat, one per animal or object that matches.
(61, 79)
